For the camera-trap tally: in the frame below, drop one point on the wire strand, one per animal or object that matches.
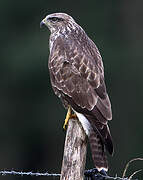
(5, 172)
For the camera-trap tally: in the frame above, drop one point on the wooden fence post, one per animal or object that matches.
(74, 157)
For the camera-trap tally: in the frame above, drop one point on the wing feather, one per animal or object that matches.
(80, 75)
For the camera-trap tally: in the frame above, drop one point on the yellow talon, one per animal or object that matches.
(68, 116)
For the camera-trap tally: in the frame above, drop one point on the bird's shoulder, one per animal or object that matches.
(83, 56)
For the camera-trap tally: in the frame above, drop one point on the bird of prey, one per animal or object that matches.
(77, 77)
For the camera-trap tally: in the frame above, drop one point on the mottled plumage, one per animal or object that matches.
(77, 77)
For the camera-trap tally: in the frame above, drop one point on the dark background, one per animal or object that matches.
(31, 116)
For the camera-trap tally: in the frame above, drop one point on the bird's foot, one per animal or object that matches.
(68, 116)
(94, 174)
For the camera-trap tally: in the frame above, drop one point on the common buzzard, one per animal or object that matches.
(77, 77)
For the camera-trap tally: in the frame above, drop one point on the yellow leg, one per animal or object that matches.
(68, 116)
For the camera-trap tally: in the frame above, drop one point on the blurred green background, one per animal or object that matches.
(31, 116)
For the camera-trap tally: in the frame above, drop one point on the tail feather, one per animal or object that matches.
(98, 151)
(103, 132)
(99, 139)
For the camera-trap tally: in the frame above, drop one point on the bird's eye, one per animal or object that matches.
(55, 19)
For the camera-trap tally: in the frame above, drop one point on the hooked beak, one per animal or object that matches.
(42, 22)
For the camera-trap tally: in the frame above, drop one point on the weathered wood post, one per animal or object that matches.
(74, 157)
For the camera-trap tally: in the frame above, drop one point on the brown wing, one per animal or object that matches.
(78, 78)
(80, 74)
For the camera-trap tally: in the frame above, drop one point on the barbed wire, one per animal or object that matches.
(89, 175)
(12, 172)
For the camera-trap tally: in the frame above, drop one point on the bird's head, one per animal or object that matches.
(57, 21)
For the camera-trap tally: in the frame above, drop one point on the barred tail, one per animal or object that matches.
(98, 151)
